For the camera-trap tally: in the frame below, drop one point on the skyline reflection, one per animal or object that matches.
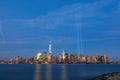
(63, 73)
(37, 72)
(48, 72)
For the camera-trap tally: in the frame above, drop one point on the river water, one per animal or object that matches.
(55, 71)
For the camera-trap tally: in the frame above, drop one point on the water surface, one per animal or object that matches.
(55, 71)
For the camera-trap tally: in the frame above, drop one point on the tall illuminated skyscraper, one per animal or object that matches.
(49, 54)
(63, 54)
(50, 48)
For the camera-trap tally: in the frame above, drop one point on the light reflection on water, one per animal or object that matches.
(71, 72)
(44, 72)
(55, 71)
(63, 73)
(37, 72)
(48, 72)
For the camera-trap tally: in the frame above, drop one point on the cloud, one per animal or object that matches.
(62, 16)
(14, 42)
(1, 31)
(89, 16)
(113, 32)
(102, 39)
(70, 41)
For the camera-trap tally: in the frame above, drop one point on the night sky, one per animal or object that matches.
(27, 26)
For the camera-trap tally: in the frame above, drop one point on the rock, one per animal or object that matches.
(108, 76)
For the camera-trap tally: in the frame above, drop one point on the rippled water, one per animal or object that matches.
(55, 71)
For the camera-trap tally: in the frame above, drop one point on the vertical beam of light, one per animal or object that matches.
(81, 38)
(78, 39)
(79, 35)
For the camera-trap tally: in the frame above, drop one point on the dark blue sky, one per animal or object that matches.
(26, 26)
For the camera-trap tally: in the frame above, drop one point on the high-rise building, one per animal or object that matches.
(93, 59)
(105, 58)
(11, 61)
(50, 48)
(88, 59)
(63, 54)
(83, 59)
(49, 54)
(38, 55)
(18, 60)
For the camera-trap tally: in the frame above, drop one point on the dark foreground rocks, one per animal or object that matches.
(108, 76)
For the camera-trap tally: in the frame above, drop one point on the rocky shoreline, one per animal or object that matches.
(108, 76)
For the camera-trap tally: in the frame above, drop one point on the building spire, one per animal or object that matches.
(50, 47)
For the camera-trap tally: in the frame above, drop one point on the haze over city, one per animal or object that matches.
(27, 26)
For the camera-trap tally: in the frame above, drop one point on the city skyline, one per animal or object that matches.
(26, 27)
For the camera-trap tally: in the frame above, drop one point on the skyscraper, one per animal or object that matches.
(50, 48)
(38, 55)
(49, 54)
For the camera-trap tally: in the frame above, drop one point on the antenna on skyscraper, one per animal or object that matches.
(50, 41)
